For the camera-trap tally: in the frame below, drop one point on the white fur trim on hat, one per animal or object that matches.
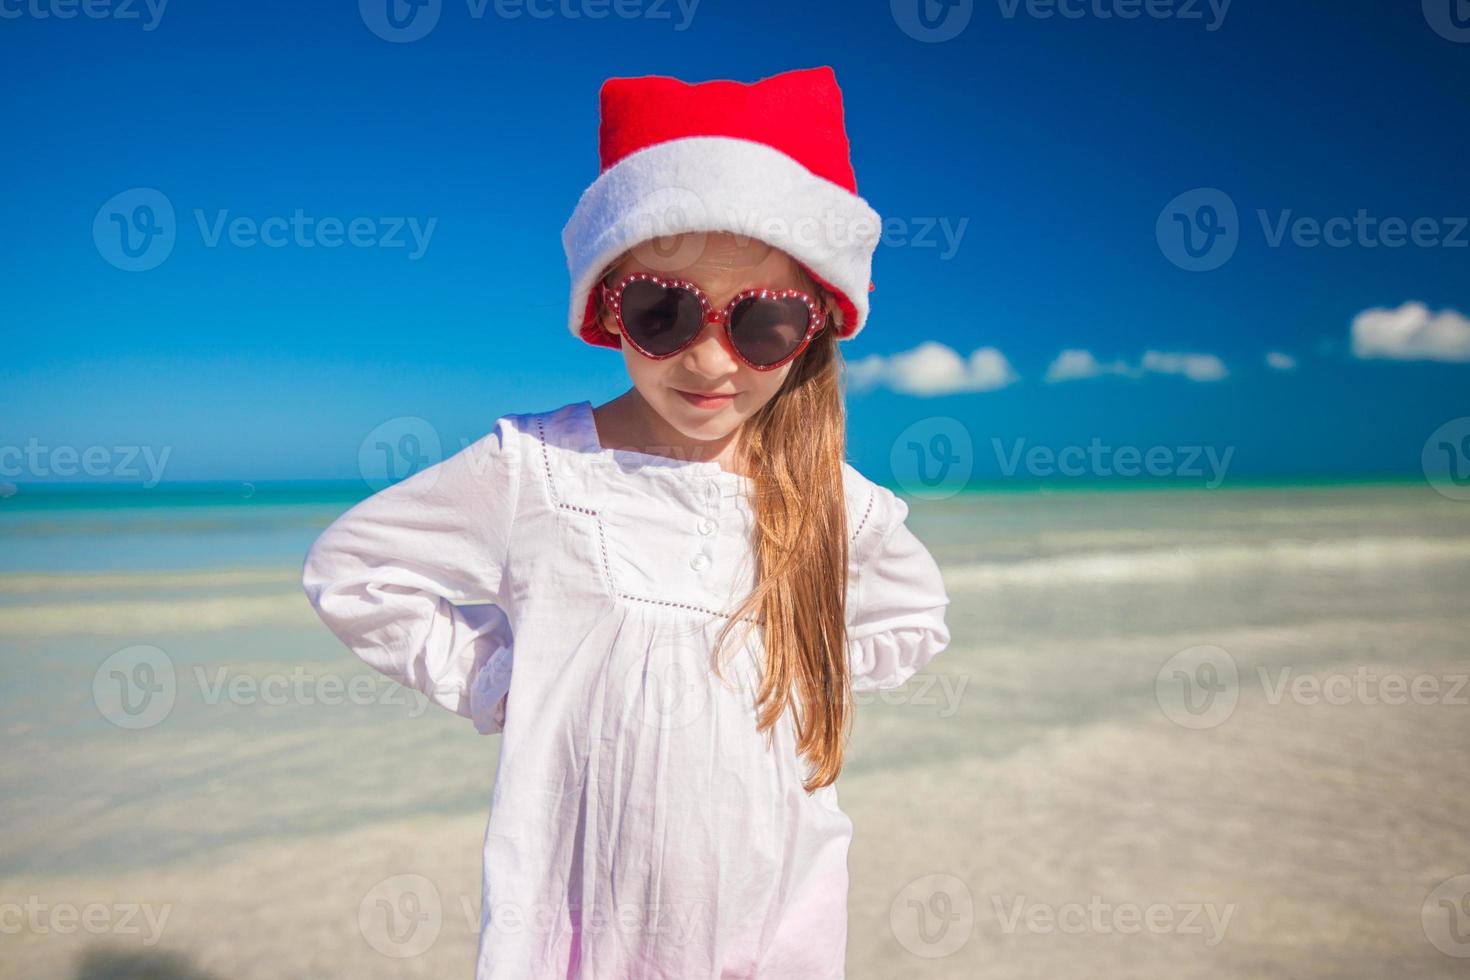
(719, 183)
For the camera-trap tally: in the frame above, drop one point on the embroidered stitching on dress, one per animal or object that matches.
(602, 541)
(872, 494)
(546, 460)
(684, 605)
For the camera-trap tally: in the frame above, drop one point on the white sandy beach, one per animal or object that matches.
(1036, 804)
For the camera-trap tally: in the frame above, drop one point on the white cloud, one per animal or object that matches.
(1074, 364)
(1195, 367)
(933, 369)
(1411, 333)
(1280, 361)
(866, 373)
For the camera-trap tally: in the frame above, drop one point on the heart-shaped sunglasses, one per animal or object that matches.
(661, 317)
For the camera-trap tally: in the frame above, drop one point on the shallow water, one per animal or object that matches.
(1237, 702)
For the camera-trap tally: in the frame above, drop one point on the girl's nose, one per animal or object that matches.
(710, 355)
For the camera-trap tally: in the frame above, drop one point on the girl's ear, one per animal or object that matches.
(829, 308)
(604, 311)
(606, 318)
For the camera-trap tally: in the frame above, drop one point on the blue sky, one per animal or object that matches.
(1024, 165)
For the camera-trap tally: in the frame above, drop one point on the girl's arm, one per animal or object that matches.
(385, 576)
(897, 625)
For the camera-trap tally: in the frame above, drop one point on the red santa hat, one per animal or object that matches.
(767, 159)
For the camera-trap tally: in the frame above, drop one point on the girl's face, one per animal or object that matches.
(722, 265)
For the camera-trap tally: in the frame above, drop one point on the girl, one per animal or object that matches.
(663, 603)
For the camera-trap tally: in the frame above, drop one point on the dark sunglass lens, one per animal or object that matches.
(660, 319)
(766, 331)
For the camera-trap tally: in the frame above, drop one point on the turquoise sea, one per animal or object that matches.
(1179, 732)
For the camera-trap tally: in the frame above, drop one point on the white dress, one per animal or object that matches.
(640, 827)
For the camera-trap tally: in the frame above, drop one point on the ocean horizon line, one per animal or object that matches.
(16, 496)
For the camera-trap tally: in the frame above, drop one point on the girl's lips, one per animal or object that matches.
(705, 401)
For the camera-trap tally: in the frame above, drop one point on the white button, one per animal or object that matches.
(706, 526)
(700, 562)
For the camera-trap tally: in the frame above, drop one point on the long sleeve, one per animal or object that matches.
(386, 575)
(897, 624)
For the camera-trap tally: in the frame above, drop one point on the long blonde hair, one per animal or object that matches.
(794, 448)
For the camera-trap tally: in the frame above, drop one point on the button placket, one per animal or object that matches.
(706, 527)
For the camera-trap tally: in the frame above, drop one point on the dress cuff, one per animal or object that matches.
(883, 661)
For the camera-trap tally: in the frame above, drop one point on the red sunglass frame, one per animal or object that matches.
(613, 297)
